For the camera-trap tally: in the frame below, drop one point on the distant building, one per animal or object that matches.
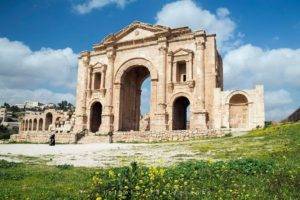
(32, 104)
(2, 114)
(20, 105)
(48, 106)
(7, 120)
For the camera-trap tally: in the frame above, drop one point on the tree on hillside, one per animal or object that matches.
(6, 105)
(65, 105)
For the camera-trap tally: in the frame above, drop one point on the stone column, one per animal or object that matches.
(174, 70)
(32, 125)
(200, 73)
(89, 82)
(107, 114)
(102, 79)
(190, 68)
(37, 125)
(198, 117)
(161, 114)
(117, 91)
(81, 92)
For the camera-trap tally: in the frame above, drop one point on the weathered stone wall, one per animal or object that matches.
(125, 136)
(42, 137)
(164, 136)
(254, 103)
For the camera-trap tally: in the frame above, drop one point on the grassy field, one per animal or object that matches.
(264, 164)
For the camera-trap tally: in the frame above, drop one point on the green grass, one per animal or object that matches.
(25, 181)
(263, 164)
(272, 142)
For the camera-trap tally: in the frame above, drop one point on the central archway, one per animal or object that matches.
(181, 113)
(95, 117)
(130, 97)
(48, 120)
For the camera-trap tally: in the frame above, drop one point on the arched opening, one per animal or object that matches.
(57, 122)
(130, 97)
(34, 125)
(49, 119)
(238, 111)
(41, 124)
(26, 125)
(95, 117)
(181, 113)
(30, 125)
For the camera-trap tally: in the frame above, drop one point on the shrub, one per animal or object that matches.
(65, 166)
(188, 180)
(228, 134)
(6, 164)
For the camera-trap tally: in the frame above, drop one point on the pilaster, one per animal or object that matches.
(107, 113)
(161, 114)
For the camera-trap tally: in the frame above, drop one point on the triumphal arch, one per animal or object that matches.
(186, 73)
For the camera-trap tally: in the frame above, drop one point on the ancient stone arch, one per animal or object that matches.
(238, 92)
(128, 80)
(178, 61)
(48, 120)
(135, 62)
(30, 125)
(34, 124)
(40, 124)
(95, 117)
(238, 111)
(179, 111)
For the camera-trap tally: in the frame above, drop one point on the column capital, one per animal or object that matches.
(200, 45)
(111, 55)
(163, 49)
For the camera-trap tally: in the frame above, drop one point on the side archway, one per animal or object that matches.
(48, 121)
(26, 125)
(95, 116)
(34, 125)
(40, 124)
(30, 125)
(181, 113)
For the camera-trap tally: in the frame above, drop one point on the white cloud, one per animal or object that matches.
(90, 5)
(277, 98)
(24, 68)
(188, 13)
(24, 72)
(14, 96)
(278, 104)
(249, 65)
(274, 68)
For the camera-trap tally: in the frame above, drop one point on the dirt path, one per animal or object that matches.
(103, 155)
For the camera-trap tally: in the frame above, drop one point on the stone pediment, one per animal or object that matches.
(98, 67)
(135, 31)
(182, 52)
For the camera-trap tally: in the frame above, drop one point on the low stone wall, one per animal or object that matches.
(127, 137)
(164, 136)
(42, 137)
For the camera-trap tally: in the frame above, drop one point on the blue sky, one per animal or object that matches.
(259, 41)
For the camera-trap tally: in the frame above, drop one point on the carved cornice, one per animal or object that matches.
(160, 34)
